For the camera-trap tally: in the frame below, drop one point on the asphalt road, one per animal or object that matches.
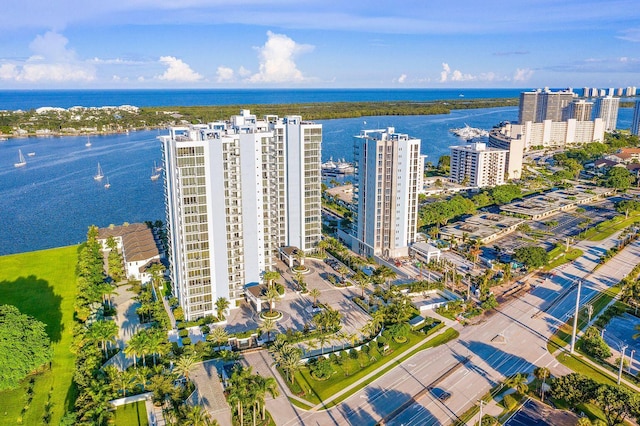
(511, 340)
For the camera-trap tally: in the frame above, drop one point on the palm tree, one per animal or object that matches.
(184, 365)
(289, 360)
(362, 281)
(315, 293)
(300, 255)
(385, 273)
(475, 251)
(157, 343)
(105, 332)
(322, 246)
(222, 304)
(542, 374)
(271, 295)
(135, 347)
(267, 326)
(377, 320)
(121, 381)
(197, 416)
(240, 390)
(322, 339)
(519, 383)
(343, 271)
(263, 386)
(270, 277)
(218, 335)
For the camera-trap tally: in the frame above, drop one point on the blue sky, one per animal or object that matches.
(319, 43)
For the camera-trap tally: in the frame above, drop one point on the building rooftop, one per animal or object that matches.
(343, 192)
(137, 240)
(482, 227)
(550, 202)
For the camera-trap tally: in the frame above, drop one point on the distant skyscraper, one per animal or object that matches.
(635, 123)
(607, 109)
(477, 165)
(388, 165)
(236, 191)
(581, 110)
(541, 105)
(586, 92)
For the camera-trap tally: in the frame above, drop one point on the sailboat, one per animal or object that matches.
(22, 162)
(107, 185)
(156, 167)
(88, 144)
(155, 173)
(99, 175)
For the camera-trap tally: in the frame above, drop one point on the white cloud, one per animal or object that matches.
(632, 34)
(51, 61)
(447, 75)
(177, 70)
(243, 72)
(276, 60)
(444, 74)
(402, 78)
(522, 74)
(224, 74)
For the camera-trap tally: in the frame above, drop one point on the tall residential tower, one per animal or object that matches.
(388, 168)
(235, 192)
(607, 109)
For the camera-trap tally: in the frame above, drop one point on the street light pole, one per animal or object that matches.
(602, 333)
(631, 360)
(480, 422)
(624, 348)
(575, 319)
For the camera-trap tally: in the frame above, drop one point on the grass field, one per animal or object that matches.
(561, 259)
(131, 415)
(607, 228)
(42, 284)
(351, 370)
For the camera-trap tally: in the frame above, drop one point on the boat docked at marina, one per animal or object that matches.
(469, 133)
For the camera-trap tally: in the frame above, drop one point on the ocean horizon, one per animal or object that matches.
(31, 99)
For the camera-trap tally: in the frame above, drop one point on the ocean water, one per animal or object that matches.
(31, 99)
(54, 199)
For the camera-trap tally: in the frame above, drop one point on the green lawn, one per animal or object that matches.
(570, 256)
(42, 284)
(131, 415)
(607, 228)
(577, 364)
(351, 371)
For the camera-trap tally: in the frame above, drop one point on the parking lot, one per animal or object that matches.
(536, 413)
(554, 229)
(297, 309)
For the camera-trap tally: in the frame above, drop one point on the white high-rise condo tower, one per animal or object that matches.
(606, 108)
(235, 192)
(388, 168)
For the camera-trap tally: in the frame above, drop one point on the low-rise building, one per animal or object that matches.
(545, 205)
(478, 165)
(483, 228)
(138, 247)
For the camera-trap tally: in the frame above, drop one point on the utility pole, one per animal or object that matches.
(575, 318)
(480, 421)
(624, 348)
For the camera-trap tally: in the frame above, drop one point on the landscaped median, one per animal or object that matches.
(367, 365)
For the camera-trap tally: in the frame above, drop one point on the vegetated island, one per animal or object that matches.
(104, 120)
